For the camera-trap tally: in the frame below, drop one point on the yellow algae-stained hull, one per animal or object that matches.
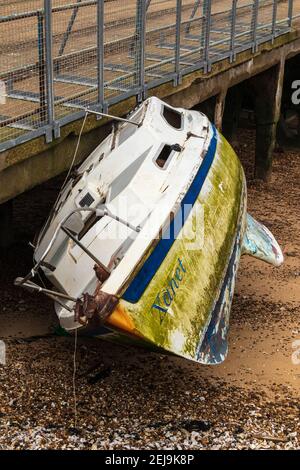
(194, 282)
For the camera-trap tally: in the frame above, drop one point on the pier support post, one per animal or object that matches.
(267, 90)
(208, 107)
(6, 224)
(219, 109)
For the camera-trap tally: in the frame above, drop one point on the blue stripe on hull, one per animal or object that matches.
(152, 263)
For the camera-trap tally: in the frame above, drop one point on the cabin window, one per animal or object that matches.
(173, 118)
(163, 156)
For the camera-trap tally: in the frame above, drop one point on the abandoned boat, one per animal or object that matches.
(145, 239)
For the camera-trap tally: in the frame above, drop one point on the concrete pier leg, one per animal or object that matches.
(232, 111)
(267, 89)
(6, 224)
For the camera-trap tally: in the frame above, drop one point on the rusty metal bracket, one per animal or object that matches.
(95, 309)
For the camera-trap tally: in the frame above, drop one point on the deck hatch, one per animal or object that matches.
(164, 155)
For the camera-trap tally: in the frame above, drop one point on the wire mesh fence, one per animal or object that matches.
(59, 57)
(124, 26)
(192, 35)
(74, 50)
(20, 70)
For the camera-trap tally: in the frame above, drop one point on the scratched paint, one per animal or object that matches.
(260, 243)
(214, 347)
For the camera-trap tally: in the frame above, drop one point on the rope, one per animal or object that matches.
(74, 156)
(74, 380)
(73, 160)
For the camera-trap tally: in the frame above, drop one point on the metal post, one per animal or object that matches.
(140, 48)
(69, 29)
(49, 68)
(206, 33)
(274, 18)
(194, 11)
(42, 66)
(290, 13)
(100, 55)
(177, 44)
(233, 29)
(254, 25)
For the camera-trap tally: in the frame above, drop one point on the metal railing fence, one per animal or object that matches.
(58, 57)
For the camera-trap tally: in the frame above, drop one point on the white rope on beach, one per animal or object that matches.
(74, 380)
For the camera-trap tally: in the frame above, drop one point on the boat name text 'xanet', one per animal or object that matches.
(165, 297)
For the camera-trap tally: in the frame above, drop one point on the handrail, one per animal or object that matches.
(130, 51)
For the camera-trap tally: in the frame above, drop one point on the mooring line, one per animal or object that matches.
(74, 380)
